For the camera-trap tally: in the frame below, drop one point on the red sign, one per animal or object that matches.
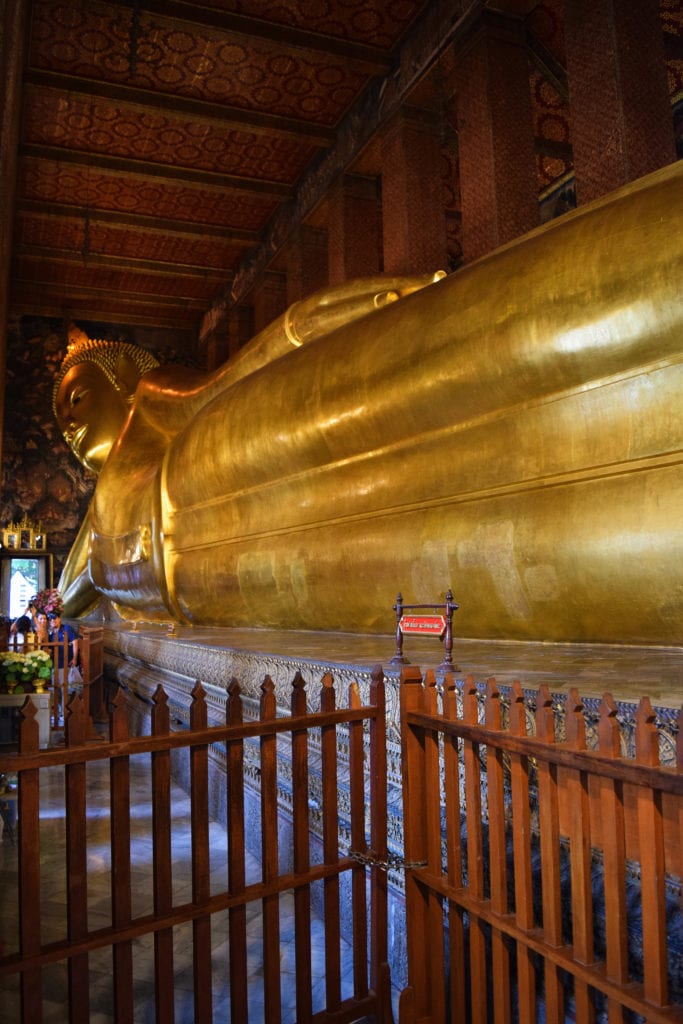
(433, 625)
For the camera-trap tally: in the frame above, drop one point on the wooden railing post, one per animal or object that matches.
(31, 983)
(76, 862)
(201, 860)
(651, 852)
(521, 845)
(549, 838)
(378, 838)
(456, 930)
(475, 855)
(272, 999)
(119, 780)
(237, 916)
(301, 830)
(579, 830)
(497, 855)
(414, 844)
(161, 858)
(359, 844)
(330, 829)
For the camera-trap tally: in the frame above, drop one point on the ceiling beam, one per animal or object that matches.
(93, 295)
(252, 120)
(142, 168)
(366, 59)
(178, 228)
(93, 259)
(57, 310)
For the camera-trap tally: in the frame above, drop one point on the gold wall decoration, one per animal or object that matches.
(24, 536)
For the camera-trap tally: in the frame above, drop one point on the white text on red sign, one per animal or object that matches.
(434, 625)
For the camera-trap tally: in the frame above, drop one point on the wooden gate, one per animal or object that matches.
(537, 874)
(359, 798)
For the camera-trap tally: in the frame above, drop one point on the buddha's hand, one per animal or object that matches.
(330, 308)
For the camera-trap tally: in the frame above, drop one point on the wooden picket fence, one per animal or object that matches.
(537, 865)
(364, 735)
(523, 852)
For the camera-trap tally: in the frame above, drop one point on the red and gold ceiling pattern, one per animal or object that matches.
(80, 272)
(364, 21)
(100, 43)
(160, 141)
(125, 131)
(84, 186)
(76, 235)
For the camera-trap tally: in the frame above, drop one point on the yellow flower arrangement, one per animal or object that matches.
(17, 669)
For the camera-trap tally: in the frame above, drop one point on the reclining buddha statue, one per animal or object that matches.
(511, 431)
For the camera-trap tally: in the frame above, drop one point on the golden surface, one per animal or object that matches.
(513, 432)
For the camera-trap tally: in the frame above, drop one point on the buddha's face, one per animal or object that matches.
(90, 413)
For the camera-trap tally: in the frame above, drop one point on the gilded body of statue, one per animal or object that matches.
(513, 431)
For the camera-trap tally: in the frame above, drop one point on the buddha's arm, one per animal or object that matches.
(170, 397)
(319, 315)
(74, 585)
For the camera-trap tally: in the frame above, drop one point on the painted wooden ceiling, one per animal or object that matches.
(160, 139)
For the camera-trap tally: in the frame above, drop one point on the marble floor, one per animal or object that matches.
(52, 841)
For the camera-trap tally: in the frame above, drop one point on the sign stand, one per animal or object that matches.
(438, 623)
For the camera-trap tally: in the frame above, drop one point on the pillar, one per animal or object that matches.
(413, 201)
(498, 181)
(13, 27)
(217, 347)
(270, 298)
(353, 229)
(622, 125)
(306, 262)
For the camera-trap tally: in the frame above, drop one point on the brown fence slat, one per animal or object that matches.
(502, 1004)
(237, 916)
(378, 837)
(31, 983)
(434, 941)
(161, 855)
(414, 848)
(301, 839)
(549, 839)
(201, 861)
(119, 783)
(76, 864)
(475, 857)
(330, 783)
(521, 845)
(579, 835)
(272, 998)
(456, 931)
(358, 845)
(614, 858)
(651, 862)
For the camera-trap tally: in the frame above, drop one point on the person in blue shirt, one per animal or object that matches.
(58, 631)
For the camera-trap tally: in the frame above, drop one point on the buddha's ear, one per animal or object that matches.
(127, 373)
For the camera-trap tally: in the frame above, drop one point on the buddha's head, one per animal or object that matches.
(93, 393)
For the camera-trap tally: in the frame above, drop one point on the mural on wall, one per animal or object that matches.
(40, 475)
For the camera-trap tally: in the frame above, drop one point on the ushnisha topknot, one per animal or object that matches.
(105, 354)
